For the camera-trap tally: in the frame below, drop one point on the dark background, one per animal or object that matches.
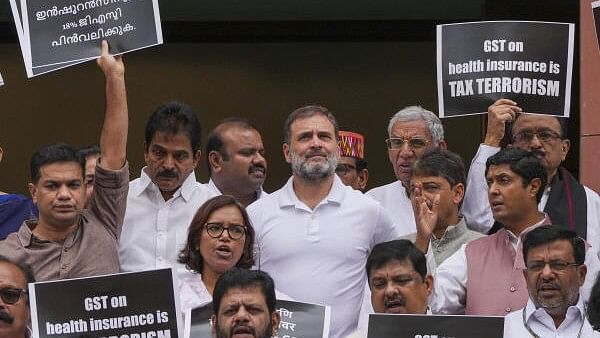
(262, 59)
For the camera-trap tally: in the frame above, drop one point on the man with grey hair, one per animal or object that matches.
(314, 234)
(411, 132)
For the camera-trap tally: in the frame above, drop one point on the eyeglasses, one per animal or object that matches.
(215, 230)
(342, 169)
(413, 143)
(542, 135)
(11, 295)
(556, 266)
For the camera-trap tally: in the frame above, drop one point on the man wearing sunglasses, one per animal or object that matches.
(567, 202)
(14, 305)
(411, 132)
(352, 167)
(555, 270)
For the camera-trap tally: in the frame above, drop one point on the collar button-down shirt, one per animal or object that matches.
(155, 230)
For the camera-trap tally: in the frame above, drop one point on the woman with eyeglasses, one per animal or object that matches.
(220, 237)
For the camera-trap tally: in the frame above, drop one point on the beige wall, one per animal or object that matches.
(363, 83)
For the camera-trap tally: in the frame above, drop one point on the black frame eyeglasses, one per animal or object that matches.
(543, 135)
(11, 295)
(215, 230)
(556, 266)
(414, 143)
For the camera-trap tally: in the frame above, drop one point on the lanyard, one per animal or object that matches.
(535, 335)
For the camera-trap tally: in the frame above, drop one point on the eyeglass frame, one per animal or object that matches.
(16, 291)
(347, 168)
(223, 228)
(550, 265)
(552, 135)
(388, 142)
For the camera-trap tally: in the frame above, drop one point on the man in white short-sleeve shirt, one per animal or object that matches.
(314, 235)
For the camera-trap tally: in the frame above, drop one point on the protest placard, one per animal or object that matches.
(298, 320)
(596, 13)
(528, 62)
(393, 326)
(127, 305)
(60, 33)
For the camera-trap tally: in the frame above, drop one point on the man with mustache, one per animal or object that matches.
(236, 160)
(485, 276)
(244, 305)
(314, 234)
(567, 202)
(398, 279)
(164, 199)
(69, 240)
(14, 300)
(411, 132)
(554, 258)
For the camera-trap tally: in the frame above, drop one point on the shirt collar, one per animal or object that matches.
(288, 196)
(455, 230)
(212, 186)
(577, 311)
(26, 236)
(186, 189)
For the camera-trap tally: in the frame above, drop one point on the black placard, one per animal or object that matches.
(394, 326)
(297, 320)
(481, 62)
(61, 33)
(127, 305)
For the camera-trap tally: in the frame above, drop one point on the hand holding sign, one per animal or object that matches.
(499, 114)
(110, 65)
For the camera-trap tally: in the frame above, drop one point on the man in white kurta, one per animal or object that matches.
(555, 272)
(313, 236)
(411, 132)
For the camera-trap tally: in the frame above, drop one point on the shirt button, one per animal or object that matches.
(513, 289)
(507, 309)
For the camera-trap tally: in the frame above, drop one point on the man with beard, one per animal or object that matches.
(485, 276)
(567, 202)
(398, 280)
(14, 304)
(236, 160)
(244, 305)
(554, 258)
(314, 234)
(411, 132)
(166, 196)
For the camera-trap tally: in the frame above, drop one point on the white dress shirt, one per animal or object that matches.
(542, 325)
(318, 255)
(450, 287)
(476, 207)
(395, 201)
(155, 230)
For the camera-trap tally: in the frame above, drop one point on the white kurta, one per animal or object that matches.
(540, 322)
(396, 202)
(155, 230)
(476, 207)
(318, 255)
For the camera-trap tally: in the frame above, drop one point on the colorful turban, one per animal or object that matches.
(351, 144)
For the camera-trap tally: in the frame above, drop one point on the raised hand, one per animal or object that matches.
(499, 113)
